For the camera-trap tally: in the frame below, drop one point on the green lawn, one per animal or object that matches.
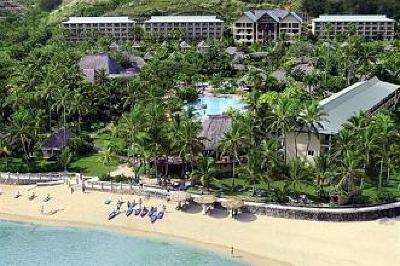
(22, 166)
(91, 165)
(390, 190)
(370, 194)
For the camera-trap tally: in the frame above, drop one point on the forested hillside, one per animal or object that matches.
(226, 8)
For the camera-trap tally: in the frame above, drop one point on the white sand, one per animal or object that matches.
(260, 240)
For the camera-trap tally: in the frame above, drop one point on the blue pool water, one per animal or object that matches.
(28, 244)
(216, 105)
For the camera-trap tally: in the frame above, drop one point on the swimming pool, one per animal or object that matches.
(210, 105)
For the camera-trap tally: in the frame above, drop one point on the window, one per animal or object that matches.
(310, 153)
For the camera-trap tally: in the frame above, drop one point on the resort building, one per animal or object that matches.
(92, 66)
(56, 143)
(266, 25)
(81, 28)
(369, 96)
(188, 27)
(369, 26)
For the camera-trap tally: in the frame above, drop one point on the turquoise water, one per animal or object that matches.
(28, 244)
(216, 105)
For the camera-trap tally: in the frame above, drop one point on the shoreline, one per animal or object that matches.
(257, 240)
(243, 257)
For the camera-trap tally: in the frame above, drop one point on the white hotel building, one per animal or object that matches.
(369, 26)
(190, 27)
(80, 28)
(266, 26)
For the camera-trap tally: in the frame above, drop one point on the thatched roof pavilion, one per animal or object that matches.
(57, 142)
(213, 130)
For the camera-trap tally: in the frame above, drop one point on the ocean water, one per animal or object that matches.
(29, 244)
(216, 105)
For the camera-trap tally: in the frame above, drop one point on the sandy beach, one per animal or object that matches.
(258, 240)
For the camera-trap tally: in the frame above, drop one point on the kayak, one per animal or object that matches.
(143, 212)
(153, 217)
(129, 211)
(160, 214)
(112, 215)
(152, 211)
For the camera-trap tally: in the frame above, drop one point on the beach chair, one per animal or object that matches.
(293, 200)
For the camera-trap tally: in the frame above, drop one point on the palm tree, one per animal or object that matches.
(21, 128)
(187, 140)
(252, 170)
(282, 118)
(385, 127)
(351, 169)
(312, 117)
(230, 145)
(298, 173)
(63, 102)
(270, 159)
(107, 157)
(130, 124)
(205, 171)
(322, 170)
(344, 142)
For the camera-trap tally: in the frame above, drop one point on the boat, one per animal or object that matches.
(160, 215)
(136, 210)
(144, 212)
(153, 217)
(113, 214)
(130, 210)
(152, 211)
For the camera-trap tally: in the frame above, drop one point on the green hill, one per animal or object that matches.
(226, 8)
(142, 8)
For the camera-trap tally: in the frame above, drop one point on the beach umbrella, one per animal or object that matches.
(205, 200)
(180, 196)
(232, 205)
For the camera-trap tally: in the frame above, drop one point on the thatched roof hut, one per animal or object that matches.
(213, 130)
(184, 45)
(114, 46)
(57, 142)
(136, 44)
(147, 56)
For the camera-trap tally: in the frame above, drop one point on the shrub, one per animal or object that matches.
(49, 5)
(189, 94)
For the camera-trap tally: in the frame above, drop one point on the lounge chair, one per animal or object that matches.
(305, 199)
(293, 200)
(47, 198)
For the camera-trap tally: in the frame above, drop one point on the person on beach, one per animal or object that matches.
(232, 251)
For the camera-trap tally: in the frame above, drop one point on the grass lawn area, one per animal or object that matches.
(243, 189)
(91, 165)
(391, 189)
(370, 193)
(19, 165)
